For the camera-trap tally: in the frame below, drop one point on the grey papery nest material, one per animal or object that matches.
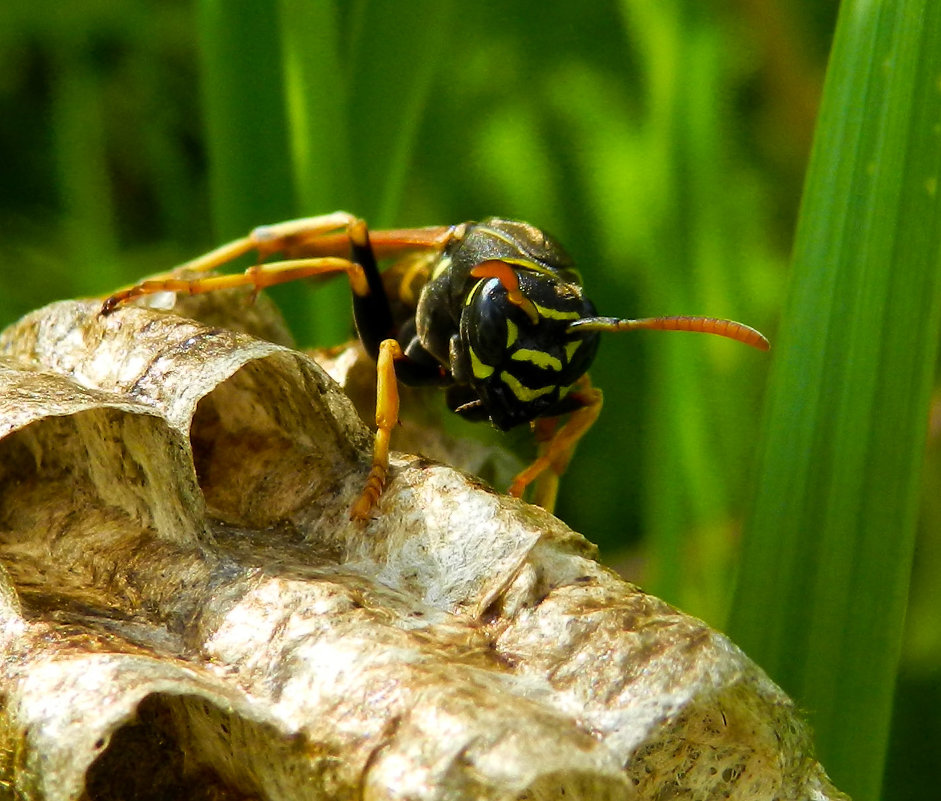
(188, 612)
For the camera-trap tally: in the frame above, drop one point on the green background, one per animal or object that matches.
(666, 144)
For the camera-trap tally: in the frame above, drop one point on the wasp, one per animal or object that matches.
(492, 311)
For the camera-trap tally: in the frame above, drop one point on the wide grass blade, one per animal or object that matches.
(246, 125)
(822, 591)
(395, 51)
(81, 160)
(315, 93)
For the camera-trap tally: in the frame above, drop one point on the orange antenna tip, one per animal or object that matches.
(701, 325)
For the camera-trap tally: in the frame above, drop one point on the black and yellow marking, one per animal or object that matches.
(537, 357)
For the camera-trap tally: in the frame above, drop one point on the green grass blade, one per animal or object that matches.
(277, 136)
(81, 158)
(394, 53)
(316, 96)
(827, 556)
(246, 127)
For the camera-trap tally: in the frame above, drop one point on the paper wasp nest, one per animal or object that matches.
(188, 613)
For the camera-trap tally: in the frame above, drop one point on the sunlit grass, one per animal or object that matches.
(823, 582)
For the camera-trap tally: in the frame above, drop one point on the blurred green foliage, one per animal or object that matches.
(663, 142)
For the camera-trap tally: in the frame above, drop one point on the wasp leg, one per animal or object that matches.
(546, 486)
(371, 310)
(294, 237)
(387, 415)
(556, 452)
(258, 277)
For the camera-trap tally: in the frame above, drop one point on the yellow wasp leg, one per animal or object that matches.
(267, 239)
(258, 277)
(387, 415)
(557, 451)
(546, 486)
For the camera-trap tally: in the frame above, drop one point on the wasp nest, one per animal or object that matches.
(188, 612)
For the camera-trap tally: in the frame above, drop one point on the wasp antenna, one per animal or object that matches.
(702, 325)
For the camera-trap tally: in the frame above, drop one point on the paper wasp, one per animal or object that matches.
(494, 312)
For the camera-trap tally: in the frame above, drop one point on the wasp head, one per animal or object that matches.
(520, 359)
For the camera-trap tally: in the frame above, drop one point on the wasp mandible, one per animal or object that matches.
(494, 313)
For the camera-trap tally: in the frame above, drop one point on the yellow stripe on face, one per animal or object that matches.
(512, 332)
(556, 314)
(537, 357)
(522, 392)
(478, 368)
(571, 348)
